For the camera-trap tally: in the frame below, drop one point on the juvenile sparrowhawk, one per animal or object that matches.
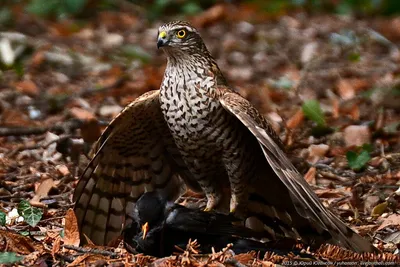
(196, 132)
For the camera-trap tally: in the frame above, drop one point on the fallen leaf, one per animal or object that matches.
(354, 112)
(295, 120)
(310, 175)
(308, 52)
(316, 152)
(393, 219)
(81, 114)
(27, 87)
(79, 260)
(211, 15)
(357, 135)
(330, 193)
(13, 117)
(91, 130)
(370, 202)
(335, 108)
(379, 209)
(63, 170)
(56, 247)
(345, 89)
(42, 191)
(18, 243)
(270, 264)
(71, 235)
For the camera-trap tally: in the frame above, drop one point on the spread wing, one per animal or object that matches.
(305, 200)
(135, 154)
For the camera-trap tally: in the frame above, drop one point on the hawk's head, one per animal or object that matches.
(179, 36)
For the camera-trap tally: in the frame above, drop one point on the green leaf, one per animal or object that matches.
(191, 8)
(354, 57)
(379, 209)
(392, 128)
(24, 233)
(74, 6)
(283, 83)
(30, 214)
(313, 111)
(43, 7)
(9, 258)
(357, 161)
(2, 218)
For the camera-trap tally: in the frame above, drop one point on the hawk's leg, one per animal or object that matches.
(207, 177)
(239, 167)
(212, 192)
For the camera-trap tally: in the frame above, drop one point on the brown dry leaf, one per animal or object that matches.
(37, 58)
(357, 135)
(63, 170)
(329, 193)
(316, 152)
(64, 28)
(210, 16)
(71, 236)
(17, 243)
(79, 260)
(81, 114)
(295, 120)
(345, 89)
(91, 131)
(355, 112)
(245, 258)
(310, 175)
(56, 247)
(268, 264)
(41, 191)
(335, 108)
(13, 117)
(88, 241)
(164, 262)
(393, 219)
(27, 87)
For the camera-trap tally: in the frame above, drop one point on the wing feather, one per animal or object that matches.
(135, 154)
(306, 202)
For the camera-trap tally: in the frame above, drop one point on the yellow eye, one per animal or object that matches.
(181, 33)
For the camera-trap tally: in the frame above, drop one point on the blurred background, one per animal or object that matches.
(325, 73)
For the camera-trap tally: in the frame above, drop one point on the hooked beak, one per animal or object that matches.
(145, 230)
(162, 39)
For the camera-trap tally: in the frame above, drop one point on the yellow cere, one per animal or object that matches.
(162, 34)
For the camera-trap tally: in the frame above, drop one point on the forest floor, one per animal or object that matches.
(68, 79)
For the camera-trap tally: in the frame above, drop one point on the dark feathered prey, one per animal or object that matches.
(196, 132)
(171, 225)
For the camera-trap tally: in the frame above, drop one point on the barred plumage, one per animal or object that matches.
(196, 131)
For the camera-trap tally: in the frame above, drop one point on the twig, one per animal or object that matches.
(86, 92)
(19, 131)
(92, 250)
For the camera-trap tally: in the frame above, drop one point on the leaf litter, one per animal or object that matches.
(309, 73)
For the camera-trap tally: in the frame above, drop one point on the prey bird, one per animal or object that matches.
(159, 225)
(197, 133)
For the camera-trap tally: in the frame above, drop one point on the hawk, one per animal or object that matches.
(195, 132)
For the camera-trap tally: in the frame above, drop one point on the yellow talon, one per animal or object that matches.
(207, 209)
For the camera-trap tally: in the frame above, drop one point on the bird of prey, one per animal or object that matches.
(160, 225)
(197, 133)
